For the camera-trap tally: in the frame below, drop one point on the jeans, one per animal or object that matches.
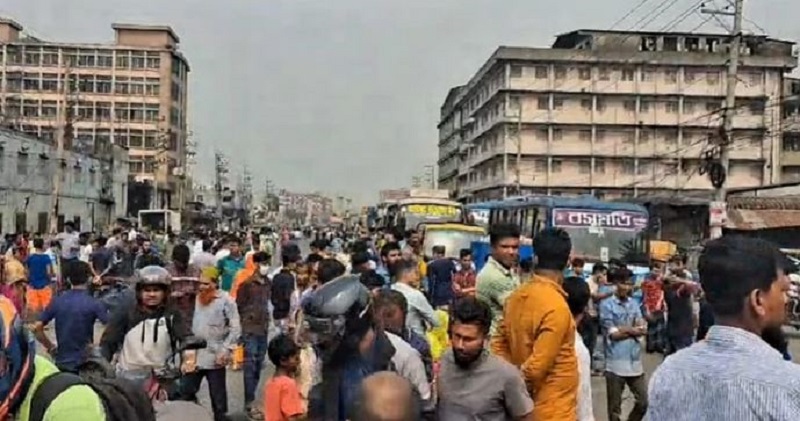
(615, 385)
(255, 349)
(217, 388)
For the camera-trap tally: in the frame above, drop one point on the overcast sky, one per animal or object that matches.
(343, 96)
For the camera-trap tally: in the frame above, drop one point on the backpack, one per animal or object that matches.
(123, 401)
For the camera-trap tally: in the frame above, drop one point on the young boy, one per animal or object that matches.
(281, 394)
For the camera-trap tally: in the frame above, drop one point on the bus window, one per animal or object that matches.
(528, 224)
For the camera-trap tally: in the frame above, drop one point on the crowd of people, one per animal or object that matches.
(369, 328)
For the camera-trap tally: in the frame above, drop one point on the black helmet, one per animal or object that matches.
(332, 308)
(153, 275)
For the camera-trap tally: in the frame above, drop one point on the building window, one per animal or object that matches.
(755, 140)
(688, 107)
(586, 104)
(123, 59)
(647, 75)
(756, 107)
(755, 78)
(541, 134)
(540, 72)
(644, 106)
(77, 174)
(599, 166)
(558, 103)
(755, 171)
(585, 135)
(50, 82)
(30, 82)
(103, 84)
(584, 167)
(138, 60)
(560, 72)
(671, 107)
(671, 76)
(49, 58)
(105, 59)
(540, 165)
(557, 134)
(629, 137)
(86, 59)
(22, 164)
(601, 105)
(585, 73)
(599, 136)
(629, 105)
(555, 165)
(604, 74)
(670, 168)
(791, 143)
(628, 166)
(669, 136)
(152, 86)
(543, 103)
(688, 75)
(516, 71)
(644, 136)
(712, 78)
(712, 106)
(32, 56)
(628, 75)
(153, 60)
(643, 168)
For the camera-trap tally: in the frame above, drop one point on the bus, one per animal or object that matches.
(415, 212)
(600, 231)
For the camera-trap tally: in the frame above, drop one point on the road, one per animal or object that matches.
(236, 382)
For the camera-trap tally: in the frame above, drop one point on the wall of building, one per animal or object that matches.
(600, 121)
(132, 93)
(92, 191)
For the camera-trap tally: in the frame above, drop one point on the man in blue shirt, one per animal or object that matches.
(40, 274)
(75, 313)
(624, 327)
(440, 278)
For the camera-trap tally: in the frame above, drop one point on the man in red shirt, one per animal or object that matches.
(653, 306)
(464, 279)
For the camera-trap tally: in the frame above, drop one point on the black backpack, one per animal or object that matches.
(123, 401)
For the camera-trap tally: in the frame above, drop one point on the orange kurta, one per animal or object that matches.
(538, 336)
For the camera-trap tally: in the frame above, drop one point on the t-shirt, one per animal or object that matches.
(70, 245)
(38, 277)
(76, 403)
(491, 389)
(283, 399)
(75, 312)
(228, 267)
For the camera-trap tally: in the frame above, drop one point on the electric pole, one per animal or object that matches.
(220, 169)
(518, 171)
(64, 133)
(726, 139)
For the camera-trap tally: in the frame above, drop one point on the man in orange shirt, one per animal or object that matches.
(538, 332)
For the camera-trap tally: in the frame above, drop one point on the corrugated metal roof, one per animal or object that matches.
(765, 203)
(756, 219)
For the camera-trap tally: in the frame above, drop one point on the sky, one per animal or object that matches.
(343, 96)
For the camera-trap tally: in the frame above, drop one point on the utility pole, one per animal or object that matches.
(64, 134)
(188, 155)
(519, 148)
(720, 193)
(220, 169)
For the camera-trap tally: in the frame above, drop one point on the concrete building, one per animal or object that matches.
(132, 93)
(790, 154)
(93, 191)
(612, 114)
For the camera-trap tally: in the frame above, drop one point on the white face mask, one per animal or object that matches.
(263, 270)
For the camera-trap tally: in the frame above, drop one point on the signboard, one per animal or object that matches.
(438, 211)
(607, 219)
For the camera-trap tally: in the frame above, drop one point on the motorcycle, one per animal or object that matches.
(164, 382)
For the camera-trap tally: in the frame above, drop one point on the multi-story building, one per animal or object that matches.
(790, 154)
(132, 93)
(92, 189)
(612, 114)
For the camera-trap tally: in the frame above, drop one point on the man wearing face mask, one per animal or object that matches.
(734, 374)
(252, 300)
(474, 384)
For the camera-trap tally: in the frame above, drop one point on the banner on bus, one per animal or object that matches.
(609, 219)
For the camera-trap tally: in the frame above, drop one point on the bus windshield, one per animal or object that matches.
(599, 235)
(422, 213)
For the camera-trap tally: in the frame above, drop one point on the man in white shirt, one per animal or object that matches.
(420, 312)
(578, 297)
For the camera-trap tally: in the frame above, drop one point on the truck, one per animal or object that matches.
(160, 220)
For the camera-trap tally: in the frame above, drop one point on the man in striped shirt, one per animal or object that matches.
(734, 374)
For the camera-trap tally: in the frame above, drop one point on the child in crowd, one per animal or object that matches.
(281, 394)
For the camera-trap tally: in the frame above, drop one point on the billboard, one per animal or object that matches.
(608, 219)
